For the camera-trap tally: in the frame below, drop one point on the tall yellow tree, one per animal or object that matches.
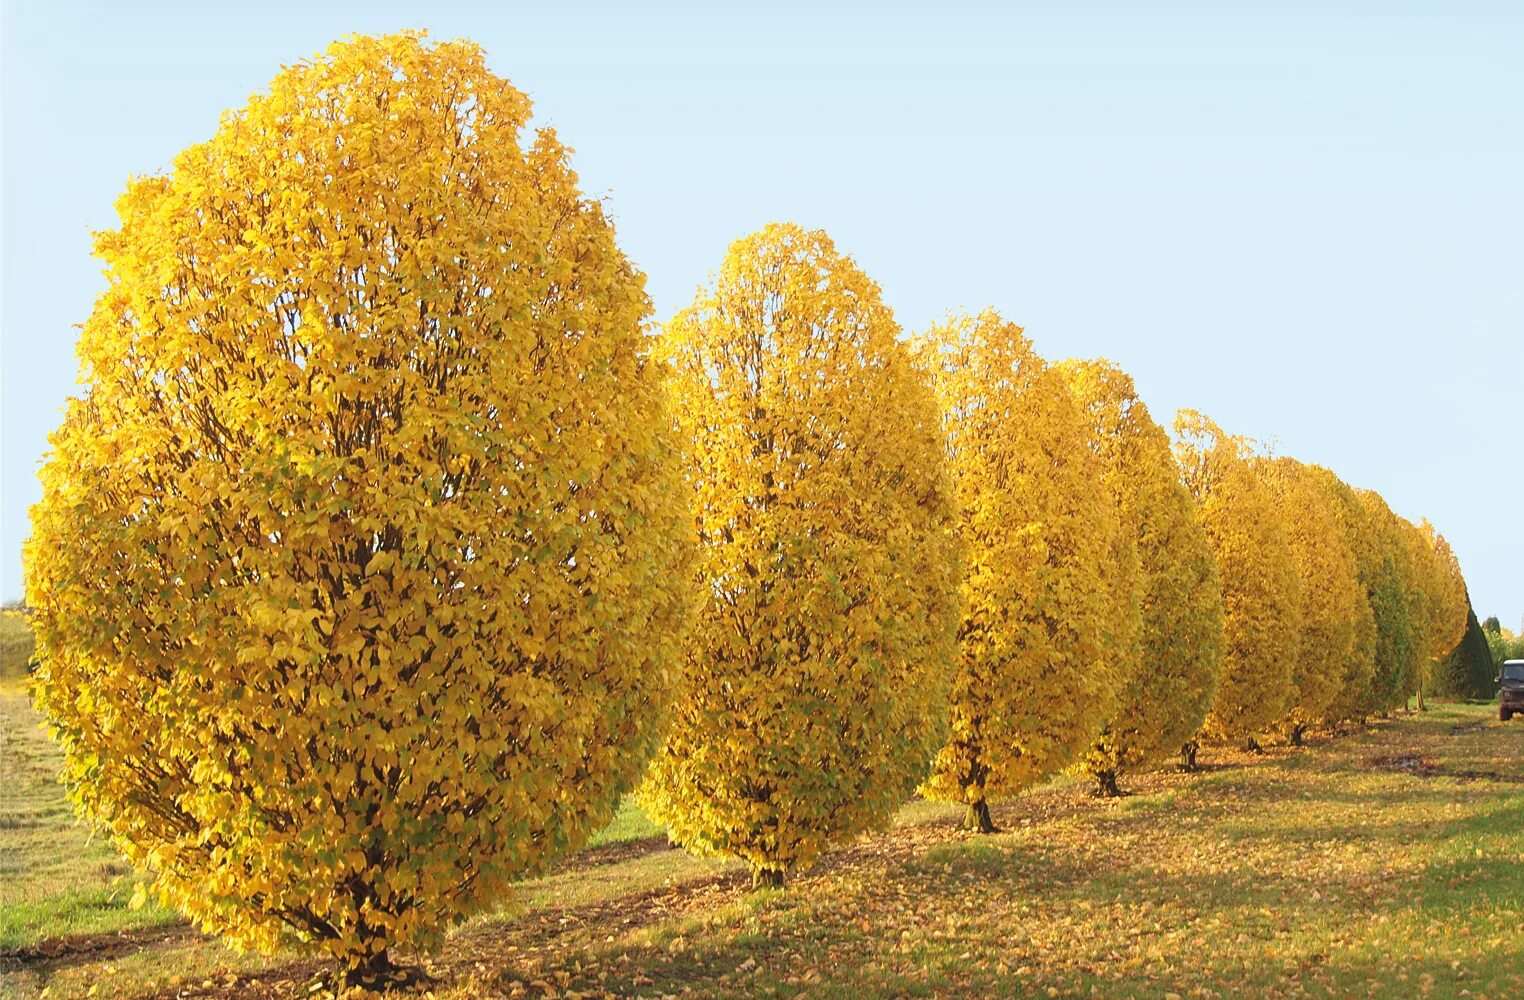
(1351, 697)
(1261, 589)
(358, 567)
(1451, 595)
(1390, 591)
(818, 666)
(1169, 675)
(1330, 588)
(1437, 600)
(1034, 679)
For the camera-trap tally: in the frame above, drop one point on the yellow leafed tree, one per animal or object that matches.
(1438, 601)
(1350, 700)
(1169, 675)
(1330, 588)
(1034, 680)
(360, 564)
(1392, 592)
(818, 665)
(1451, 596)
(1261, 589)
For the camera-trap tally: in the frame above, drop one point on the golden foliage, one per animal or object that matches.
(818, 664)
(1169, 675)
(1437, 601)
(1450, 596)
(1330, 587)
(1034, 680)
(357, 570)
(1352, 694)
(1391, 592)
(1261, 589)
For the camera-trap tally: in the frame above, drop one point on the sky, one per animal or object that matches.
(1304, 219)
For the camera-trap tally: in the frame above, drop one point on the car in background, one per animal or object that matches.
(1510, 689)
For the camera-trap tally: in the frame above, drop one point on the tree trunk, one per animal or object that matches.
(1421, 706)
(1188, 755)
(766, 878)
(978, 818)
(374, 972)
(1106, 785)
(1296, 734)
(1251, 745)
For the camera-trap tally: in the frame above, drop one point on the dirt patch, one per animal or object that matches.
(1408, 763)
(613, 854)
(1508, 779)
(61, 952)
(1422, 767)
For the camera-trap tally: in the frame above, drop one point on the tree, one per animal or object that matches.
(1034, 680)
(1261, 588)
(1352, 696)
(1467, 672)
(1491, 625)
(1389, 590)
(1455, 601)
(1444, 600)
(1504, 645)
(1170, 674)
(818, 663)
(359, 565)
(1330, 589)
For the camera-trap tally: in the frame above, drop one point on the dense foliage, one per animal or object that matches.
(1352, 697)
(1330, 589)
(1467, 672)
(1445, 603)
(1261, 584)
(1169, 675)
(1503, 644)
(818, 667)
(357, 570)
(1390, 590)
(1041, 592)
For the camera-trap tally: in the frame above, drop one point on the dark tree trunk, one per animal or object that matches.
(376, 972)
(1251, 745)
(1188, 755)
(767, 878)
(1421, 706)
(978, 817)
(1106, 785)
(1296, 734)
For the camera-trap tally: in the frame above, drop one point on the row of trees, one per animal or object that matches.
(386, 550)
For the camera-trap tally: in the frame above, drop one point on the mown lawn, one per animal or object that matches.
(1386, 863)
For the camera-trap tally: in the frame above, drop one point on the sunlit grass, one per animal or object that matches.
(1386, 863)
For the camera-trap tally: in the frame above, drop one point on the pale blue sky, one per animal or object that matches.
(1306, 220)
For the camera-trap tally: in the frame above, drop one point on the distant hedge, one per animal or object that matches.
(1468, 671)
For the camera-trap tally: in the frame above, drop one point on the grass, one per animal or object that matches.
(1384, 863)
(56, 880)
(15, 647)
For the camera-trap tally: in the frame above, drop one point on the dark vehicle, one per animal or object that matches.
(1511, 689)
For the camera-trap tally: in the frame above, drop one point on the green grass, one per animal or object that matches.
(1380, 864)
(56, 879)
(629, 823)
(15, 648)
